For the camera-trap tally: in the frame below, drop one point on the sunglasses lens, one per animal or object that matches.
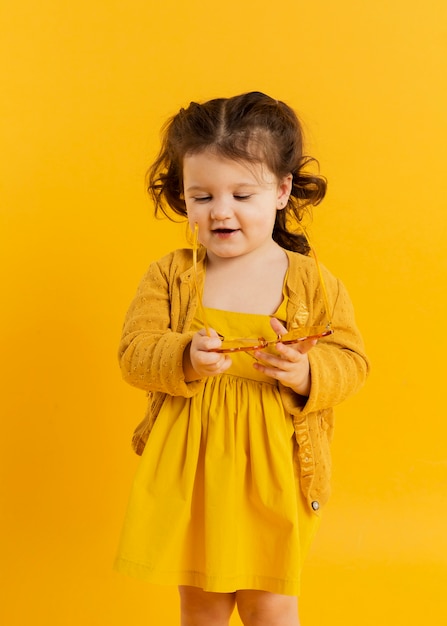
(241, 344)
(307, 332)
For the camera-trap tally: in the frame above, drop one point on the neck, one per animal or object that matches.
(257, 258)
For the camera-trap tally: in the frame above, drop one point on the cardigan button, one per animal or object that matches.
(315, 505)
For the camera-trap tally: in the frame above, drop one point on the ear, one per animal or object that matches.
(284, 189)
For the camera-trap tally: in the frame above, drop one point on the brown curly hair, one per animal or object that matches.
(250, 127)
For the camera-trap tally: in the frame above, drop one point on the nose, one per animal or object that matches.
(221, 209)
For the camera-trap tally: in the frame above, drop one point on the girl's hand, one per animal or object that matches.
(198, 362)
(291, 365)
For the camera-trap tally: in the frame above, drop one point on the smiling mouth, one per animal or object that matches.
(224, 231)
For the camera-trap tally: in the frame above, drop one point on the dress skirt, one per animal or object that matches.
(216, 501)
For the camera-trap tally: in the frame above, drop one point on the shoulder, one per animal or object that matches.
(165, 272)
(172, 264)
(306, 267)
(180, 258)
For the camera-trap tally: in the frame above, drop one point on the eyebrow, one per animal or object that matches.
(204, 187)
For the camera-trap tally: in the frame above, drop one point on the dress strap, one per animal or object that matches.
(281, 311)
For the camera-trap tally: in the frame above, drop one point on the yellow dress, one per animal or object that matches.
(216, 501)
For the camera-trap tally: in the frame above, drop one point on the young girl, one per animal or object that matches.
(235, 445)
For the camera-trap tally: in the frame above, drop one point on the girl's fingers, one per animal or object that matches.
(278, 362)
(277, 326)
(207, 342)
(300, 346)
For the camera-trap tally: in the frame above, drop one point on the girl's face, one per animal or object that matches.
(234, 203)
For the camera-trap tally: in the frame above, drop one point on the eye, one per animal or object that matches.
(202, 198)
(241, 197)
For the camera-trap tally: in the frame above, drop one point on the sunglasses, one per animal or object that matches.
(251, 344)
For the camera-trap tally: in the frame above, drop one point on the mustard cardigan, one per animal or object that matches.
(156, 333)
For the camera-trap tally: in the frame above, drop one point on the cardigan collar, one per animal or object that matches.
(187, 274)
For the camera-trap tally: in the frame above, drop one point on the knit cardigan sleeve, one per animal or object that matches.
(338, 363)
(151, 348)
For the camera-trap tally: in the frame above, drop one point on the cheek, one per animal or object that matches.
(191, 221)
(189, 209)
(196, 212)
(195, 216)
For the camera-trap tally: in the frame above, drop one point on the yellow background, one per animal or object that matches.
(85, 88)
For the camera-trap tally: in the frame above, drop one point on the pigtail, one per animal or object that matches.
(308, 190)
(164, 179)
